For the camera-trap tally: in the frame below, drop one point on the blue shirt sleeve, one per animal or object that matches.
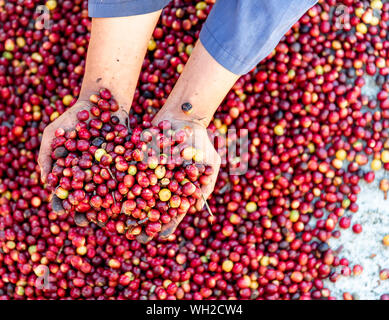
(241, 33)
(237, 33)
(123, 8)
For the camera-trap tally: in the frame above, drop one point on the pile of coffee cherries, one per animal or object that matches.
(136, 178)
(314, 133)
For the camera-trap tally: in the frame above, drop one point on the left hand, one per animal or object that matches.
(200, 141)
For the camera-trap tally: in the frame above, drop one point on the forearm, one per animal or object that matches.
(116, 51)
(236, 36)
(241, 33)
(204, 83)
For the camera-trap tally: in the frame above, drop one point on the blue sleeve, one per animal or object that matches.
(123, 8)
(241, 33)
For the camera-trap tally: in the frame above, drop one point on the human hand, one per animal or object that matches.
(67, 121)
(199, 140)
(203, 85)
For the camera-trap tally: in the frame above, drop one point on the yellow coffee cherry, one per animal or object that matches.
(199, 156)
(294, 216)
(51, 4)
(66, 100)
(251, 206)
(227, 265)
(164, 194)
(341, 154)
(264, 261)
(376, 165)
(385, 240)
(152, 45)
(376, 4)
(223, 129)
(361, 28)
(375, 21)
(337, 163)
(201, 5)
(385, 156)
(99, 153)
(359, 12)
(279, 130)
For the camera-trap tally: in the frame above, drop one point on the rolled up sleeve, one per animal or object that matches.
(241, 33)
(123, 8)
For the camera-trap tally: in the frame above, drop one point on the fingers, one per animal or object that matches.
(199, 205)
(166, 231)
(214, 161)
(143, 238)
(122, 114)
(80, 219)
(56, 205)
(66, 121)
(207, 191)
(169, 228)
(44, 158)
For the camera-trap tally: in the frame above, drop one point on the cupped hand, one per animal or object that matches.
(66, 121)
(200, 141)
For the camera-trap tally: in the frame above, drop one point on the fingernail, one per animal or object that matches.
(56, 205)
(165, 237)
(80, 219)
(200, 206)
(166, 233)
(142, 238)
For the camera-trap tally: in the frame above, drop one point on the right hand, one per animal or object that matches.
(66, 121)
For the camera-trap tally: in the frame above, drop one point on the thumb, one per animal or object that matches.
(44, 160)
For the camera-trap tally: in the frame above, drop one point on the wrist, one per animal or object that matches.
(175, 113)
(120, 96)
(85, 93)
